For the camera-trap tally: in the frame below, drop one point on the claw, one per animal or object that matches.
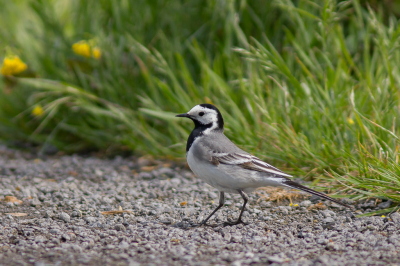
(195, 225)
(238, 221)
(203, 224)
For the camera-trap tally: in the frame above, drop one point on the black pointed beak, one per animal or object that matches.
(183, 115)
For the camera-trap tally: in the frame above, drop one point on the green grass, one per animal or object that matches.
(312, 87)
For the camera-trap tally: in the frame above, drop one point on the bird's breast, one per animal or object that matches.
(216, 176)
(203, 169)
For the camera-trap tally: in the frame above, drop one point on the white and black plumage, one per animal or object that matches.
(220, 163)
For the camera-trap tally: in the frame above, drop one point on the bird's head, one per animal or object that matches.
(205, 115)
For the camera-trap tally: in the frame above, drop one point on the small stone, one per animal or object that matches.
(65, 217)
(227, 237)
(212, 195)
(228, 203)
(14, 240)
(283, 210)
(175, 181)
(235, 263)
(328, 213)
(267, 218)
(266, 204)
(332, 246)
(276, 259)
(54, 231)
(329, 220)
(145, 176)
(143, 161)
(120, 227)
(385, 204)
(249, 255)
(164, 173)
(334, 205)
(314, 198)
(328, 223)
(123, 245)
(305, 203)
(90, 220)
(65, 237)
(395, 217)
(152, 195)
(48, 214)
(394, 239)
(236, 238)
(322, 241)
(372, 227)
(119, 198)
(76, 213)
(40, 239)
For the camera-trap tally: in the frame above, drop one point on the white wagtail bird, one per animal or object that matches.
(220, 163)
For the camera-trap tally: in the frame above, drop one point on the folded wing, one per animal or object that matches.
(248, 161)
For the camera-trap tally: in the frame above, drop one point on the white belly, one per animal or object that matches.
(227, 178)
(209, 173)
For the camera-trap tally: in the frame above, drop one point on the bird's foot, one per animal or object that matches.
(204, 223)
(195, 225)
(238, 221)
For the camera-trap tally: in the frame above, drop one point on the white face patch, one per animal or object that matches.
(205, 116)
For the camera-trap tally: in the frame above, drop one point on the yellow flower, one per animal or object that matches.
(38, 110)
(383, 216)
(350, 121)
(296, 205)
(83, 48)
(96, 52)
(12, 65)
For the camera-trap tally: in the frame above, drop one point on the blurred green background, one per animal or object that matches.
(310, 86)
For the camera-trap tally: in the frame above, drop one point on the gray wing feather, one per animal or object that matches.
(246, 161)
(224, 151)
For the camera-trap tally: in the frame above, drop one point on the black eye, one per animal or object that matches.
(201, 113)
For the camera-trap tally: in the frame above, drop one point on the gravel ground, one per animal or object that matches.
(64, 199)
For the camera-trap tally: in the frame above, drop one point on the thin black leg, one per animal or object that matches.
(239, 220)
(221, 203)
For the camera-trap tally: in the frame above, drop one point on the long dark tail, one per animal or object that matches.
(291, 184)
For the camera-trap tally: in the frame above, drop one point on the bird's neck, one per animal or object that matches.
(201, 130)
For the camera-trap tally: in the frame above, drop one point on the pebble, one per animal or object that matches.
(65, 217)
(283, 210)
(385, 204)
(66, 223)
(34, 202)
(212, 195)
(395, 217)
(76, 213)
(120, 227)
(48, 214)
(328, 220)
(305, 203)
